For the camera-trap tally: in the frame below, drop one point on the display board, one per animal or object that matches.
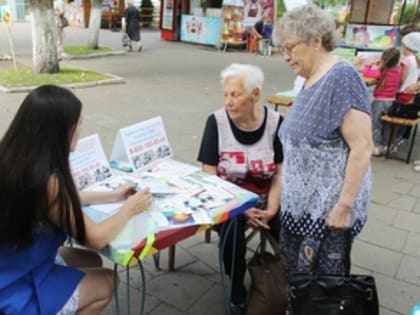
(200, 29)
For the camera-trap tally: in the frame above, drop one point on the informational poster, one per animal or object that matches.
(141, 145)
(200, 29)
(168, 14)
(88, 162)
(372, 36)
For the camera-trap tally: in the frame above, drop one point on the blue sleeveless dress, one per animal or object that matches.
(31, 282)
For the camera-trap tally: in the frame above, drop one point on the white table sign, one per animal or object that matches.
(88, 163)
(141, 145)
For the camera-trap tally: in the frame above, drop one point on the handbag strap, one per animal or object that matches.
(347, 262)
(266, 236)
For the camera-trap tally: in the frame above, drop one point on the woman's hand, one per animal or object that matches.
(257, 218)
(139, 202)
(359, 63)
(123, 192)
(339, 218)
(413, 88)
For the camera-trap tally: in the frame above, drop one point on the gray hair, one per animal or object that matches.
(306, 22)
(253, 76)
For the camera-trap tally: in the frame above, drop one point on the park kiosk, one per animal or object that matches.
(212, 22)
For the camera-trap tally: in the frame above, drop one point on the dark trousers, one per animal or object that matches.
(238, 293)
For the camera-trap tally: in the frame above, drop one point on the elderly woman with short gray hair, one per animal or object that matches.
(327, 144)
(240, 144)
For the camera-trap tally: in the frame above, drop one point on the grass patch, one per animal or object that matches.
(83, 50)
(25, 77)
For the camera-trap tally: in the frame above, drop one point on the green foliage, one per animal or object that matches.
(146, 4)
(83, 50)
(330, 3)
(25, 77)
(409, 14)
(281, 8)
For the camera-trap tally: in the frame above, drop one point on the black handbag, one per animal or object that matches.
(402, 110)
(64, 21)
(268, 292)
(317, 293)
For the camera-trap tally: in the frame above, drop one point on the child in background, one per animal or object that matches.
(267, 31)
(409, 48)
(388, 73)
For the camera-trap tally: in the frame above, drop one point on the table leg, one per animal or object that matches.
(117, 304)
(224, 233)
(156, 260)
(392, 129)
(207, 236)
(128, 289)
(171, 258)
(143, 288)
(127, 280)
(413, 138)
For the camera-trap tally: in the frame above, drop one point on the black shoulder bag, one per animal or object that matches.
(333, 294)
(403, 110)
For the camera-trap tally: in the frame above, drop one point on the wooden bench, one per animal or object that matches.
(279, 100)
(407, 122)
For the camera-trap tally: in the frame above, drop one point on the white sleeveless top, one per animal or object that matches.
(247, 165)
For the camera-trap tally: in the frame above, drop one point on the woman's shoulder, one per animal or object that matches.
(343, 67)
(344, 74)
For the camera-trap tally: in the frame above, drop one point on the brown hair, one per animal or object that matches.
(390, 59)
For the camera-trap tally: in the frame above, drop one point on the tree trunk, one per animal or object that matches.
(94, 24)
(44, 35)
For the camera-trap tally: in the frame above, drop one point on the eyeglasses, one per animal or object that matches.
(288, 48)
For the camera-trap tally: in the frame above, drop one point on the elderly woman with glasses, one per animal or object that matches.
(240, 144)
(327, 144)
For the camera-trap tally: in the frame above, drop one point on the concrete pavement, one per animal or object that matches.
(180, 82)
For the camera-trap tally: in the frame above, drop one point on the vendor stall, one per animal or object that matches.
(212, 22)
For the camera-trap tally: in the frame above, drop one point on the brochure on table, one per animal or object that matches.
(183, 194)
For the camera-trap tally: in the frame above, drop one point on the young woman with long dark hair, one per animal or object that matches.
(41, 208)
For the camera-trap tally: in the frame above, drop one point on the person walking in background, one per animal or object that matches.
(327, 145)
(240, 145)
(388, 73)
(41, 208)
(267, 32)
(132, 19)
(59, 14)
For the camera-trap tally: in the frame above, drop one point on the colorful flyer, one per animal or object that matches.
(88, 163)
(141, 145)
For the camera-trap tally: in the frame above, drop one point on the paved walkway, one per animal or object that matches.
(180, 82)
